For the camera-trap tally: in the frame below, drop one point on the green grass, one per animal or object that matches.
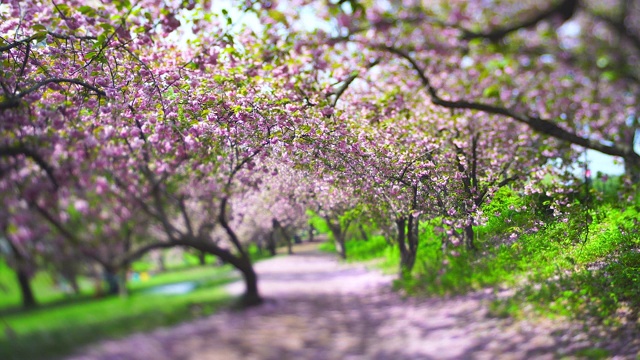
(552, 269)
(595, 277)
(63, 322)
(60, 326)
(42, 284)
(376, 247)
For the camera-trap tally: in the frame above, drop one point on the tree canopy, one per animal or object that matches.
(127, 126)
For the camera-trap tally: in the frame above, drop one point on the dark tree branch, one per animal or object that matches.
(62, 81)
(620, 27)
(143, 250)
(543, 126)
(345, 85)
(507, 180)
(185, 216)
(25, 60)
(17, 150)
(474, 156)
(29, 39)
(347, 82)
(69, 235)
(13, 101)
(465, 178)
(222, 219)
(564, 9)
(71, 37)
(17, 43)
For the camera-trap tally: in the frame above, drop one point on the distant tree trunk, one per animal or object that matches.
(408, 240)
(260, 245)
(162, 266)
(111, 278)
(278, 227)
(289, 246)
(271, 243)
(363, 233)
(401, 225)
(312, 229)
(122, 283)
(68, 272)
(201, 258)
(289, 241)
(73, 281)
(338, 236)
(28, 300)
(340, 244)
(469, 237)
(96, 276)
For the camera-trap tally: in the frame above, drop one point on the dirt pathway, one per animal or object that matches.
(321, 309)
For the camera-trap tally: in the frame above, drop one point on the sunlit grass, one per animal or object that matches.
(551, 269)
(57, 327)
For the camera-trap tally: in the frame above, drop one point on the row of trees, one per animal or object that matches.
(120, 136)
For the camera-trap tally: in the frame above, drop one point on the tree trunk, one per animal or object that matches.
(162, 266)
(251, 296)
(28, 300)
(363, 233)
(201, 258)
(469, 237)
(271, 243)
(413, 238)
(111, 278)
(632, 170)
(406, 259)
(242, 263)
(311, 232)
(340, 245)
(73, 280)
(260, 246)
(122, 283)
(407, 243)
(289, 242)
(278, 227)
(68, 272)
(338, 237)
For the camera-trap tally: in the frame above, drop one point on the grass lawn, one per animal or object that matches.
(62, 324)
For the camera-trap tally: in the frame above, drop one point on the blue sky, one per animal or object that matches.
(603, 163)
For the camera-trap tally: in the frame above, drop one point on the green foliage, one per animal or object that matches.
(602, 281)
(588, 264)
(373, 248)
(319, 223)
(593, 353)
(577, 274)
(255, 254)
(329, 246)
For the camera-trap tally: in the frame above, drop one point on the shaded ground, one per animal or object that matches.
(321, 309)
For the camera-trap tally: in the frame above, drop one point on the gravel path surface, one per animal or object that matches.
(318, 308)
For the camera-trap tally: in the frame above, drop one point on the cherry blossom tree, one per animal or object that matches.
(143, 128)
(565, 69)
(132, 126)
